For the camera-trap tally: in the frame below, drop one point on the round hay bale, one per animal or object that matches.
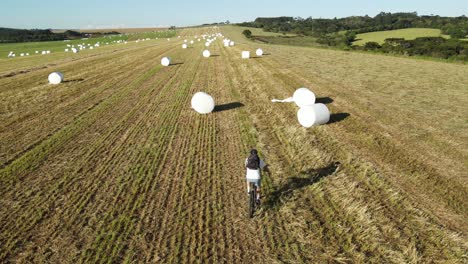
(207, 44)
(245, 54)
(203, 103)
(206, 53)
(75, 50)
(55, 78)
(259, 52)
(184, 46)
(312, 115)
(303, 97)
(231, 43)
(166, 61)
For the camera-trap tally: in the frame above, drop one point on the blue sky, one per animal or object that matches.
(151, 13)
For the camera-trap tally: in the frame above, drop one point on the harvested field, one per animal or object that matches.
(114, 166)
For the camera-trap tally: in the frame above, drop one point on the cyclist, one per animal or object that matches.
(254, 164)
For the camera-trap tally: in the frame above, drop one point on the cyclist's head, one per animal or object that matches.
(254, 152)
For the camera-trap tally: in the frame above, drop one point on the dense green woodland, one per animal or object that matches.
(10, 35)
(456, 27)
(341, 32)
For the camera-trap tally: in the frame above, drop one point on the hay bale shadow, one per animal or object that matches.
(338, 117)
(175, 64)
(73, 80)
(227, 107)
(323, 100)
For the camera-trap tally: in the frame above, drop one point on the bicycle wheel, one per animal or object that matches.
(252, 197)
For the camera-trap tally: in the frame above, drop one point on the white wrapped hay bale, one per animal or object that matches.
(313, 115)
(259, 52)
(191, 42)
(245, 54)
(231, 43)
(74, 50)
(207, 44)
(206, 53)
(55, 78)
(303, 97)
(203, 103)
(166, 61)
(184, 46)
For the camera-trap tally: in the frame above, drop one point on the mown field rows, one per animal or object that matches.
(116, 167)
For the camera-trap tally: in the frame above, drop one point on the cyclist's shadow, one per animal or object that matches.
(305, 178)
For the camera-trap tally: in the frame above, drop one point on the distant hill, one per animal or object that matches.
(407, 33)
(456, 27)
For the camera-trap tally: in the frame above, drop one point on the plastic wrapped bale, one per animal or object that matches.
(75, 50)
(231, 43)
(166, 61)
(303, 97)
(66, 50)
(191, 42)
(259, 52)
(313, 115)
(245, 54)
(184, 46)
(55, 78)
(207, 44)
(206, 53)
(203, 103)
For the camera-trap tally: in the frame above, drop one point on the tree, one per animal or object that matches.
(247, 33)
(372, 45)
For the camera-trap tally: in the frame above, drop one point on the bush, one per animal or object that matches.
(247, 33)
(372, 46)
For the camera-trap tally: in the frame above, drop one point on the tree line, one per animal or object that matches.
(342, 32)
(11, 35)
(456, 27)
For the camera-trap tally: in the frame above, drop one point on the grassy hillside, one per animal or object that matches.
(60, 46)
(409, 33)
(114, 166)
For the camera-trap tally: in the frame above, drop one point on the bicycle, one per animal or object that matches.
(252, 199)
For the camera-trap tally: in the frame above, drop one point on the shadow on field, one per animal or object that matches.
(74, 80)
(226, 107)
(304, 179)
(175, 64)
(338, 117)
(323, 100)
(215, 55)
